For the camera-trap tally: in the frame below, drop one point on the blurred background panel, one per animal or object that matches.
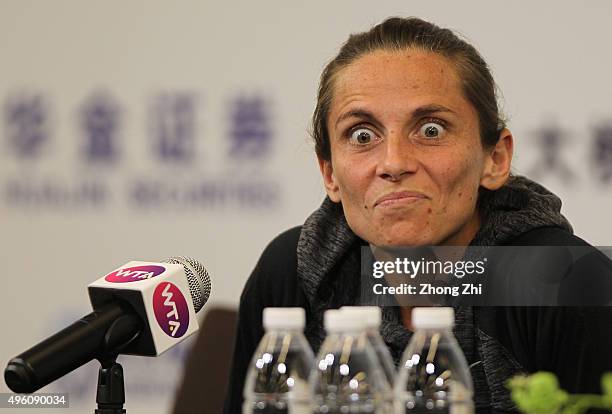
(141, 130)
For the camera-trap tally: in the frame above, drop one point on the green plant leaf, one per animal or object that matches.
(606, 384)
(538, 393)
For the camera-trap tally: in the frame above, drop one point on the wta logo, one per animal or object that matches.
(134, 274)
(171, 309)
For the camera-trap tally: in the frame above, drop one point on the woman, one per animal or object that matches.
(413, 151)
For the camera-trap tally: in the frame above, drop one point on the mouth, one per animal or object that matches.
(401, 197)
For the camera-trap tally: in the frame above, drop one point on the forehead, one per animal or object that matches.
(410, 76)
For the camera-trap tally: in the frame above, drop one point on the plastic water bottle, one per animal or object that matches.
(434, 377)
(277, 379)
(372, 318)
(347, 377)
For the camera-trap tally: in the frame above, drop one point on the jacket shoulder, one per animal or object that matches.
(547, 236)
(281, 253)
(274, 280)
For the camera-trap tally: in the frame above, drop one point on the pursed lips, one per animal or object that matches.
(400, 197)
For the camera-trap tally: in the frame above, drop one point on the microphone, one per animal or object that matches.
(141, 308)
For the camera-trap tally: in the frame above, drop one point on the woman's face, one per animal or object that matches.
(406, 155)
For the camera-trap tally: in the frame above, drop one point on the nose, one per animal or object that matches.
(398, 158)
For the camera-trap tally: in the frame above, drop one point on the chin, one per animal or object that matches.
(405, 241)
(405, 235)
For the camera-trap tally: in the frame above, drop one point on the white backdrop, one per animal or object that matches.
(142, 130)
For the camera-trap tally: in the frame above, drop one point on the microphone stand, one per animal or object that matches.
(110, 395)
(111, 391)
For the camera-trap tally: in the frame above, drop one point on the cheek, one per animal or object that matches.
(459, 181)
(353, 178)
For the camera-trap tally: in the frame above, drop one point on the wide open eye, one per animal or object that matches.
(431, 130)
(362, 136)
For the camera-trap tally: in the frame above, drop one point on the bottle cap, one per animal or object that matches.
(372, 315)
(336, 320)
(284, 318)
(433, 318)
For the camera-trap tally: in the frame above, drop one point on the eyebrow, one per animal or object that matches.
(419, 112)
(358, 113)
(430, 109)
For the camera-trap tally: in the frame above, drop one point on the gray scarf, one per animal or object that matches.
(328, 265)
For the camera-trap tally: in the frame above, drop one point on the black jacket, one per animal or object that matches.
(575, 343)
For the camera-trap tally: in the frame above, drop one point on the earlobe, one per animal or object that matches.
(498, 162)
(331, 186)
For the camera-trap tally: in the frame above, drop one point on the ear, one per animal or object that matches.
(498, 161)
(331, 186)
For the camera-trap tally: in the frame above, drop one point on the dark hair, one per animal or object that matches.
(398, 34)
